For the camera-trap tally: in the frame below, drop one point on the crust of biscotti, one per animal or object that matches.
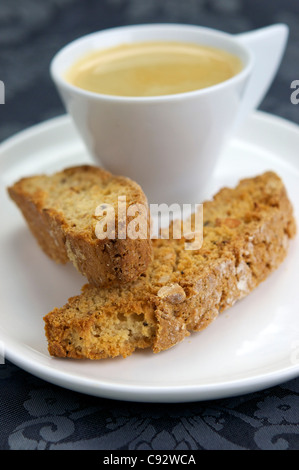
(46, 225)
(178, 294)
(75, 329)
(103, 262)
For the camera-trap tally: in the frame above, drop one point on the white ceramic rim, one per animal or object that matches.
(229, 43)
(33, 362)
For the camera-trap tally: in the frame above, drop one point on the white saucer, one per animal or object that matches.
(252, 346)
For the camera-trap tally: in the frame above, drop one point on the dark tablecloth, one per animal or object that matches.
(38, 415)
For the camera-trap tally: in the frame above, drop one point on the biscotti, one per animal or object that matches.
(60, 210)
(245, 237)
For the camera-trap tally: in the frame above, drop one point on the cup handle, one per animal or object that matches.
(268, 45)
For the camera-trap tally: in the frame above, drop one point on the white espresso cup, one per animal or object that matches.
(169, 144)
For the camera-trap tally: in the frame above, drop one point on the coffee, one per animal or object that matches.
(152, 69)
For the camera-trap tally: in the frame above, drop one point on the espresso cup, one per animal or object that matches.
(169, 144)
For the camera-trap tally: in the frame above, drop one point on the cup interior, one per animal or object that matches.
(153, 32)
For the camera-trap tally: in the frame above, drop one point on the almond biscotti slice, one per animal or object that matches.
(246, 236)
(61, 212)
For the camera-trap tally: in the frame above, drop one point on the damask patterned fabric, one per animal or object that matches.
(37, 415)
